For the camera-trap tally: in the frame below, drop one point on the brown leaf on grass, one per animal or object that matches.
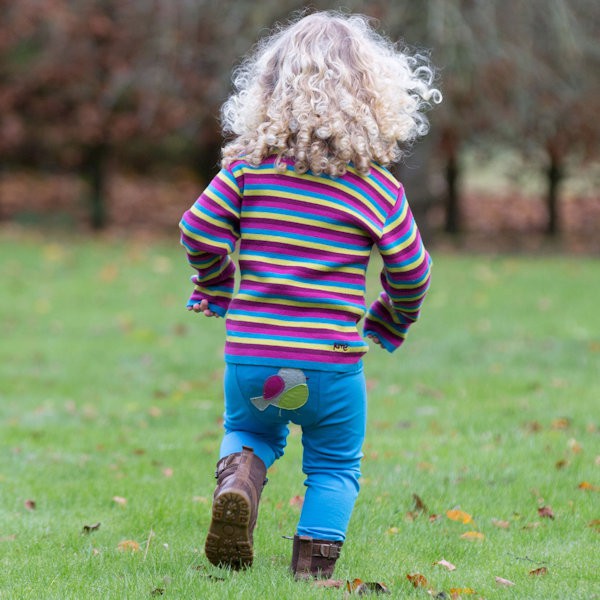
(9, 538)
(561, 423)
(120, 500)
(586, 485)
(595, 524)
(419, 504)
(456, 593)
(87, 529)
(538, 572)
(130, 545)
(562, 463)
(297, 501)
(417, 580)
(504, 582)
(444, 563)
(30, 504)
(167, 472)
(500, 524)
(546, 512)
(419, 508)
(328, 583)
(157, 592)
(361, 588)
(473, 536)
(459, 515)
(533, 525)
(534, 427)
(575, 446)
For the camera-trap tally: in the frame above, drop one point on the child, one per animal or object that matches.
(319, 111)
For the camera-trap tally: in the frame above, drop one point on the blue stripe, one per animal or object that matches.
(300, 259)
(314, 300)
(250, 210)
(320, 282)
(225, 198)
(278, 317)
(307, 238)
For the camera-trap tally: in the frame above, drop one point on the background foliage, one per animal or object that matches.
(92, 89)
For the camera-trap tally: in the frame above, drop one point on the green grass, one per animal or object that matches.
(110, 388)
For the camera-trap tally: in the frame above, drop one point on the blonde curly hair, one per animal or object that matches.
(327, 91)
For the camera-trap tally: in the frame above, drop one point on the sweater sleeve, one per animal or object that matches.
(209, 231)
(405, 277)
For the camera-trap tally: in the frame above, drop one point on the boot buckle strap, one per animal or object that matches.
(331, 551)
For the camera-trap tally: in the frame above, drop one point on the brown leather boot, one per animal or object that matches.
(240, 480)
(314, 558)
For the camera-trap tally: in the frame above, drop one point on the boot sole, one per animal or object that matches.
(228, 540)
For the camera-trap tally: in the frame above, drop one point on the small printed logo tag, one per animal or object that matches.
(340, 347)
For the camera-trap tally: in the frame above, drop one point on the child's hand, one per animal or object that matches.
(375, 339)
(203, 307)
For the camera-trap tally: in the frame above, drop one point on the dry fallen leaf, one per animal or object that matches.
(417, 580)
(500, 524)
(505, 582)
(167, 472)
(540, 571)
(546, 512)
(328, 583)
(131, 545)
(120, 500)
(456, 593)
(586, 485)
(595, 524)
(360, 587)
(561, 423)
(297, 501)
(444, 563)
(473, 535)
(89, 528)
(459, 515)
(30, 504)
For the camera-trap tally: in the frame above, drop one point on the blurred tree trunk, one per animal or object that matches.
(94, 170)
(449, 144)
(555, 174)
(452, 172)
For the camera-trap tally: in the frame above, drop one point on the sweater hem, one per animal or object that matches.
(354, 367)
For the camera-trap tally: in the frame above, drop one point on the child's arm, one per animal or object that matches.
(405, 278)
(209, 231)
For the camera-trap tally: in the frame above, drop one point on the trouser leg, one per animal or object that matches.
(332, 455)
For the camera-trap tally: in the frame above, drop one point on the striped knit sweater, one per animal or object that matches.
(304, 246)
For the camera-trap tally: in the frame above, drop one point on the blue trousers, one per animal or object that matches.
(333, 422)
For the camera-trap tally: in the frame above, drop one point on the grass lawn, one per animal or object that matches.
(110, 413)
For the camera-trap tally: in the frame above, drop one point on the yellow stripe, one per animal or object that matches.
(203, 216)
(232, 185)
(405, 244)
(292, 323)
(305, 303)
(292, 263)
(201, 238)
(208, 192)
(209, 292)
(389, 327)
(304, 345)
(302, 285)
(305, 221)
(401, 216)
(265, 237)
